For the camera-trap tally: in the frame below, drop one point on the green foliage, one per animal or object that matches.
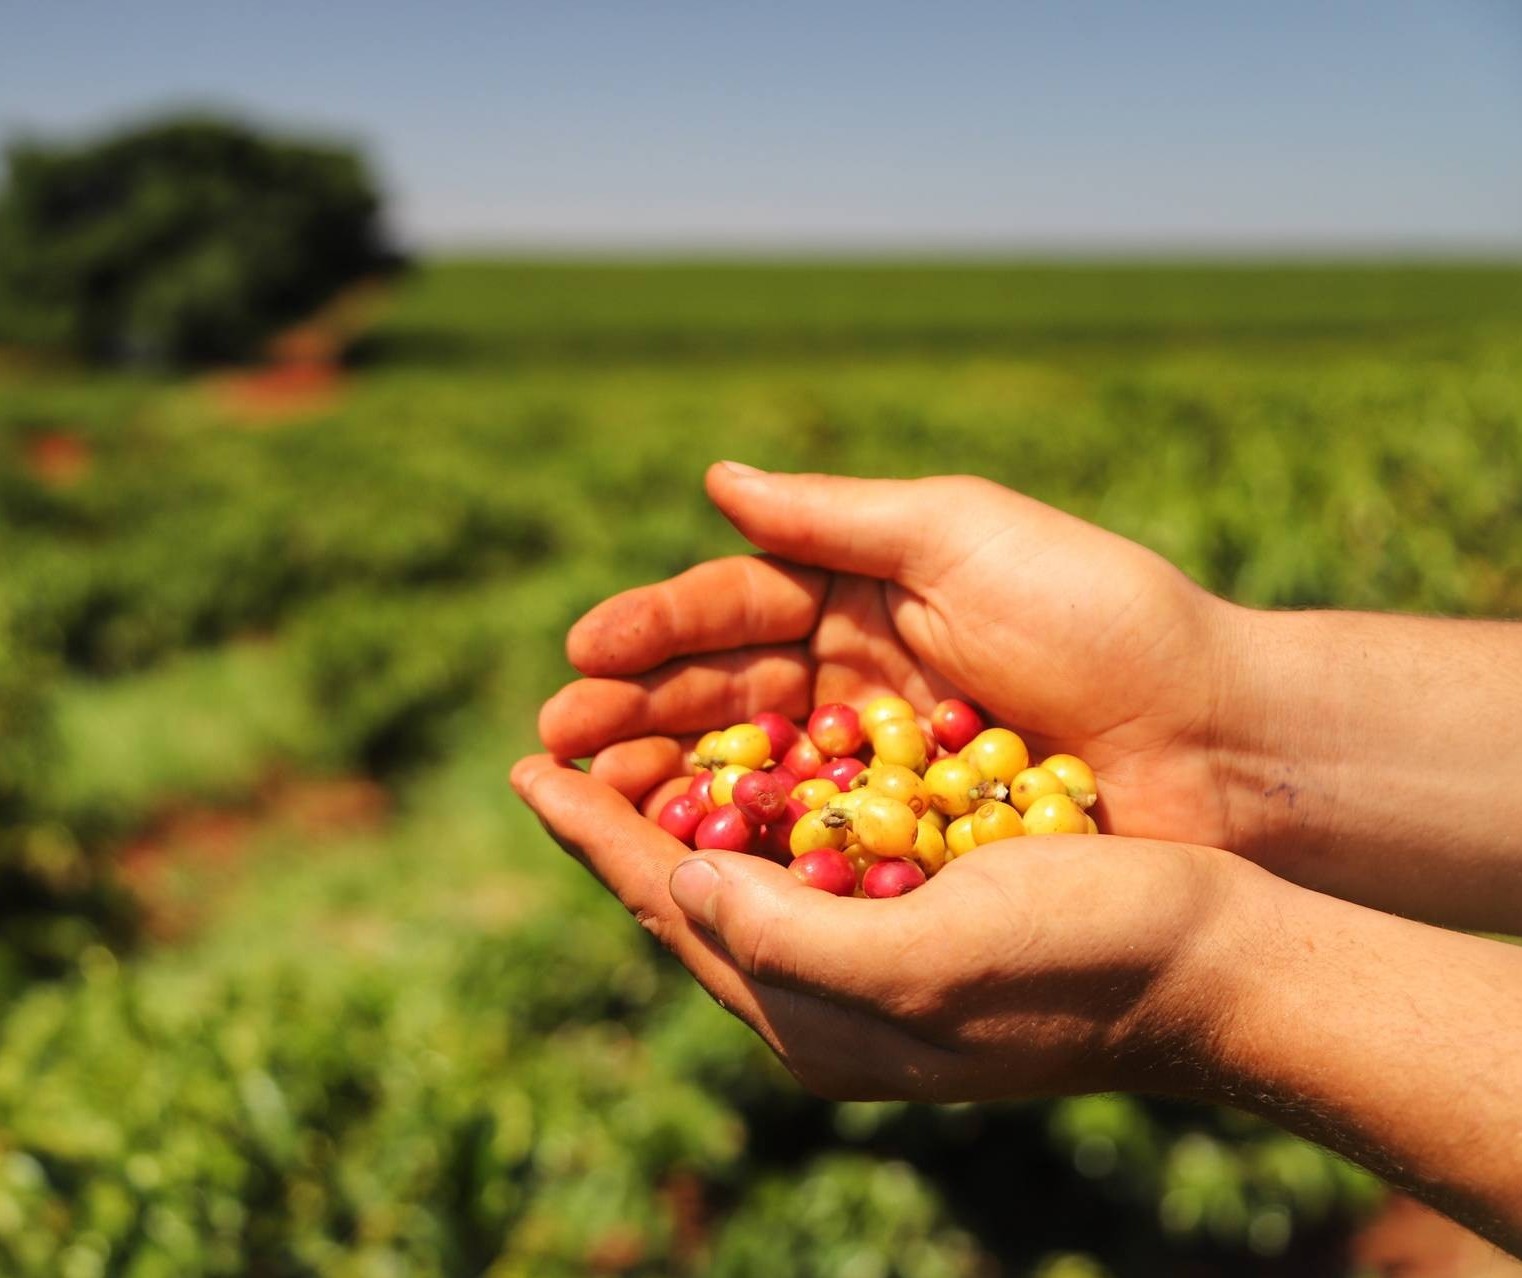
(25, 730)
(843, 1215)
(476, 312)
(181, 240)
(439, 1048)
(384, 671)
(287, 1119)
(184, 535)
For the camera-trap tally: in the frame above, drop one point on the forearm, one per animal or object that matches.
(1394, 1043)
(1379, 758)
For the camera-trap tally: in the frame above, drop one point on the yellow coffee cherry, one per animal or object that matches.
(745, 743)
(1031, 784)
(881, 710)
(1076, 776)
(994, 821)
(998, 754)
(815, 792)
(901, 741)
(813, 831)
(949, 783)
(937, 818)
(1093, 824)
(861, 862)
(929, 847)
(884, 826)
(959, 840)
(1055, 814)
(707, 748)
(848, 802)
(723, 789)
(898, 783)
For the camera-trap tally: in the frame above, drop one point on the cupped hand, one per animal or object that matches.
(1038, 966)
(1079, 639)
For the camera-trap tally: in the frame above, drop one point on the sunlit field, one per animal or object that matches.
(293, 985)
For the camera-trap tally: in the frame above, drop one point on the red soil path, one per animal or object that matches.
(57, 459)
(185, 860)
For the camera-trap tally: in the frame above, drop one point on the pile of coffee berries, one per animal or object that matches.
(871, 803)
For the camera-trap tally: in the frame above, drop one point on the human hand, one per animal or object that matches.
(1040, 966)
(1079, 639)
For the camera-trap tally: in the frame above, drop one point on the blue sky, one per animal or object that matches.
(1092, 124)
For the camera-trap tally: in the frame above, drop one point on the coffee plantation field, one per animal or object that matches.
(421, 1041)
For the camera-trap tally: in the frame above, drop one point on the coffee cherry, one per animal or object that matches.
(723, 788)
(955, 724)
(814, 830)
(760, 797)
(994, 821)
(892, 878)
(777, 836)
(706, 753)
(701, 789)
(880, 829)
(650, 806)
(827, 870)
(816, 793)
(848, 803)
(785, 777)
(1031, 784)
(885, 826)
(1076, 776)
(842, 771)
(836, 729)
(681, 817)
(900, 783)
(725, 829)
(929, 849)
(882, 710)
(959, 840)
(779, 729)
(745, 744)
(803, 759)
(861, 862)
(998, 754)
(950, 783)
(901, 741)
(1055, 814)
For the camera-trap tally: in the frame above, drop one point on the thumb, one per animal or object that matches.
(781, 932)
(895, 529)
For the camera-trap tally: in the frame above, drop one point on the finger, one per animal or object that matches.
(790, 936)
(685, 696)
(895, 529)
(821, 1042)
(634, 768)
(741, 602)
(633, 858)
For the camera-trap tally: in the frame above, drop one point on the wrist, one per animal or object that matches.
(1275, 730)
(1178, 1038)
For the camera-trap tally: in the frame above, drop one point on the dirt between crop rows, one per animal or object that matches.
(187, 858)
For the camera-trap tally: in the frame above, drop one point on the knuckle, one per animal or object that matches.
(653, 922)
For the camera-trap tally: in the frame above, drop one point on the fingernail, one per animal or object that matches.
(741, 469)
(695, 887)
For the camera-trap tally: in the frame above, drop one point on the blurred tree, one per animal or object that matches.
(180, 241)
